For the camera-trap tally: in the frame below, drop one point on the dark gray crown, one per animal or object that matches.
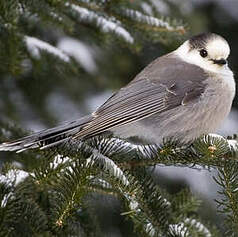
(200, 41)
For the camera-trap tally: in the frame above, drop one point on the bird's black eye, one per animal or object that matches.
(203, 53)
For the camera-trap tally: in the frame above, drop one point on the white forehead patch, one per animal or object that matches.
(218, 48)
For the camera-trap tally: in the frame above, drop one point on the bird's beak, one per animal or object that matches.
(221, 61)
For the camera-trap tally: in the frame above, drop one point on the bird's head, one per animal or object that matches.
(208, 51)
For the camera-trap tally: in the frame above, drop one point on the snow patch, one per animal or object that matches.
(150, 229)
(110, 166)
(58, 160)
(105, 24)
(233, 144)
(13, 177)
(199, 226)
(5, 199)
(150, 20)
(34, 46)
(179, 229)
(79, 51)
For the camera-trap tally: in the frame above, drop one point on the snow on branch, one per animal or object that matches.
(34, 46)
(81, 52)
(109, 165)
(181, 229)
(150, 20)
(66, 47)
(13, 177)
(198, 226)
(106, 25)
(232, 144)
(58, 160)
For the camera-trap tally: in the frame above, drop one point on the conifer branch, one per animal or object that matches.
(47, 194)
(228, 180)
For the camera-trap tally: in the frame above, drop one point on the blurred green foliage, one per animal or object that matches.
(38, 62)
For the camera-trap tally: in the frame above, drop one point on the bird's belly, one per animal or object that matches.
(191, 122)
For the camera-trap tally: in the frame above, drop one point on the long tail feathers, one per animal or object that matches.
(46, 138)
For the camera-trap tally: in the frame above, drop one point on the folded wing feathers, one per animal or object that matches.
(125, 108)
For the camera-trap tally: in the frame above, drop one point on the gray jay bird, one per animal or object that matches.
(184, 94)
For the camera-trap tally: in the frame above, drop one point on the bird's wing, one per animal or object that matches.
(163, 85)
